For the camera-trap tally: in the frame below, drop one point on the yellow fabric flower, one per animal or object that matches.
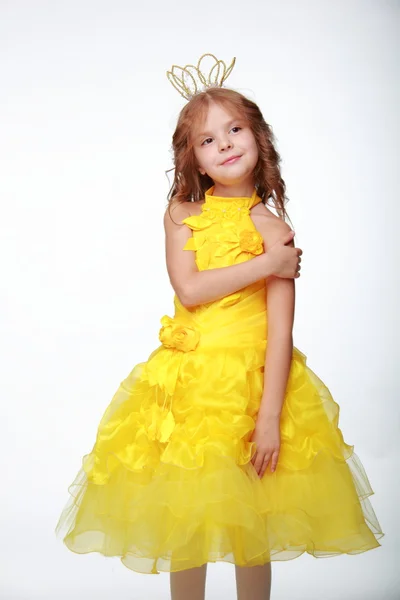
(178, 335)
(230, 213)
(251, 241)
(210, 213)
(234, 213)
(230, 240)
(197, 222)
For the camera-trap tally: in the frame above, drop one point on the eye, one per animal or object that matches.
(206, 142)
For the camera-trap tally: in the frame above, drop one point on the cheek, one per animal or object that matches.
(199, 159)
(251, 144)
(207, 158)
(254, 149)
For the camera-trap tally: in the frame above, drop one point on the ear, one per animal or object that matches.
(202, 172)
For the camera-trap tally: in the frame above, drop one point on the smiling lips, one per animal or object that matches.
(231, 160)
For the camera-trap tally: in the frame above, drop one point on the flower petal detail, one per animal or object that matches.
(178, 335)
(195, 242)
(251, 241)
(229, 300)
(197, 222)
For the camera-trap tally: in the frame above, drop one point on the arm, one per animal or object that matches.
(194, 287)
(280, 310)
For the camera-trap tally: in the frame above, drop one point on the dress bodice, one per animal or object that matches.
(224, 233)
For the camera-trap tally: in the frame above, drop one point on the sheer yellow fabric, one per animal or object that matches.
(169, 484)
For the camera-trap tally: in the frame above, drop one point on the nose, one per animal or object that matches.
(225, 145)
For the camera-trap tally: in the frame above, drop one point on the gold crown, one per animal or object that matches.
(186, 83)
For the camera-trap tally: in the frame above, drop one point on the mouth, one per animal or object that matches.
(231, 160)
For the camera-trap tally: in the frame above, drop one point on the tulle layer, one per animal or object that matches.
(169, 484)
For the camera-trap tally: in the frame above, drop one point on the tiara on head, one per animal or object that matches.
(187, 83)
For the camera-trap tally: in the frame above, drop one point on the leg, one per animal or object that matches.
(189, 584)
(253, 583)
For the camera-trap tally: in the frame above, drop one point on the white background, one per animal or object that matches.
(86, 119)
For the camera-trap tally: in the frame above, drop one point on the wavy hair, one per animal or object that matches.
(190, 185)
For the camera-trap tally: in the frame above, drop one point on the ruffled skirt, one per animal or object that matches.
(169, 484)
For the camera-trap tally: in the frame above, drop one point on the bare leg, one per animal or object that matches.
(253, 583)
(189, 584)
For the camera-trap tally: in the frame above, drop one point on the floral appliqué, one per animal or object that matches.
(246, 240)
(219, 238)
(251, 241)
(176, 334)
(230, 213)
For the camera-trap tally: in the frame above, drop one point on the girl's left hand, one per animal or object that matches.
(267, 437)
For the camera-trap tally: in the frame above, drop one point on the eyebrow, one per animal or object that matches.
(200, 135)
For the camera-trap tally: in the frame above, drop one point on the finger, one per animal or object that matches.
(258, 462)
(274, 461)
(299, 251)
(264, 465)
(288, 237)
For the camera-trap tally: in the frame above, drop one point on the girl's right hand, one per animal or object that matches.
(284, 260)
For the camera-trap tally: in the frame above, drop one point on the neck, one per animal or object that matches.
(240, 190)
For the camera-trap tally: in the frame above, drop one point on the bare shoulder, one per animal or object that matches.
(176, 212)
(271, 227)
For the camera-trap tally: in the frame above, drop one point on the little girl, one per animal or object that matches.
(223, 445)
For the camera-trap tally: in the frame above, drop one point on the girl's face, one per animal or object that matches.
(225, 136)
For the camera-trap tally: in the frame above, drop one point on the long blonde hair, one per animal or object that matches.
(190, 185)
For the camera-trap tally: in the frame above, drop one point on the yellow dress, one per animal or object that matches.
(169, 483)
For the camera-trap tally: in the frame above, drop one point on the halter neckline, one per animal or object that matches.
(222, 201)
